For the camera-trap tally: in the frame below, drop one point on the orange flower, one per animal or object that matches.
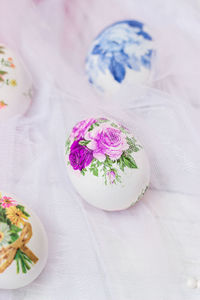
(12, 65)
(2, 104)
(10, 58)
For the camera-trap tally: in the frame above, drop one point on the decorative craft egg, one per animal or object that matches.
(106, 164)
(23, 244)
(121, 54)
(15, 85)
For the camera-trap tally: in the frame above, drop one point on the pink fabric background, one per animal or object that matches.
(150, 250)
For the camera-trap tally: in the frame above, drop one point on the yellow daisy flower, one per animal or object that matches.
(13, 82)
(15, 215)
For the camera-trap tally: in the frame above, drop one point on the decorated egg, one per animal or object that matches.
(15, 85)
(23, 244)
(106, 164)
(121, 54)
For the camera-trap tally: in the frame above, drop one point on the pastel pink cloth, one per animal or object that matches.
(146, 252)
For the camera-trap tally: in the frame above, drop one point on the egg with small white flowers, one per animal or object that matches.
(23, 243)
(15, 85)
(106, 164)
(121, 54)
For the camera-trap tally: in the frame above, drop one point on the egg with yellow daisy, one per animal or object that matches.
(15, 85)
(23, 243)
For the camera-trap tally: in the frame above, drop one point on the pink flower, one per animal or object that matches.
(80, 129)
(6, 202)
(106, 140)
(111, 176)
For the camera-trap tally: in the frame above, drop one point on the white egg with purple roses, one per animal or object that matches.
(106, 164)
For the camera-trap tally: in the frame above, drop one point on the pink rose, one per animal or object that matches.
(106, 140)
(80, 129)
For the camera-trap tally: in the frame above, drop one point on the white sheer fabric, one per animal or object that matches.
(150, 250)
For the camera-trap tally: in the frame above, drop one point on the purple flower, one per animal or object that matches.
(111, 176)
(106, 140)
(80, 156)
(80, 129)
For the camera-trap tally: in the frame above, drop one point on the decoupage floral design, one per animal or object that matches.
(15, 233)
(103, 148)
(5, 65)
(121, 46)
(2, 104)
(2, 50)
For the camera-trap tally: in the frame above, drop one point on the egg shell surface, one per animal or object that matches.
(23, 243)
(121, 54)
(15, 85)
(106, 164)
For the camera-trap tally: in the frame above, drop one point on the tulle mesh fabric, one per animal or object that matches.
(148, 251)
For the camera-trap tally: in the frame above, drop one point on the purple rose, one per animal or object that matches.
(106, 140)
(80, 156)
(80, 129)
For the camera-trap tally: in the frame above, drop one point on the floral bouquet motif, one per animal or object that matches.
(15, 233)
(121, 46)
(4, 65)
(103, 148)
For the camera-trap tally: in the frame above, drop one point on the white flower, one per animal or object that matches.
(4, 234)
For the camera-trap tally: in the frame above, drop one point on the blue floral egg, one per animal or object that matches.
(122, 53)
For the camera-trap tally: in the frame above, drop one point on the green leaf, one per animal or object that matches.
(3, 72)
(84, 143)
(91, 127)
(108, 162)
(129, 161)
(124, 130)
(132, 145)
(23, 265)
(14, 236)
(83, 171)
(27, 258)
(67, 145)
(26, 263)
(17, 261)
(22, 208)
(99, 163)
(22, 260)
(67, 142)
(95, 172)
(14, 228)
(101, 120)
(93, 169)
(114, 125)
(121, 164)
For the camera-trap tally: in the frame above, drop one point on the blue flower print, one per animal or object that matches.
(122, 45)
